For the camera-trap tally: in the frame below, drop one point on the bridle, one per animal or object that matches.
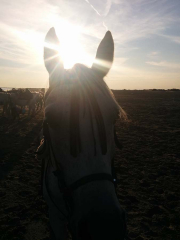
(67, 191)
(64, 189)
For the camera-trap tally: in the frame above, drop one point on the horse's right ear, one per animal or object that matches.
(52, 59)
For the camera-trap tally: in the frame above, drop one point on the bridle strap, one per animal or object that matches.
(90, 178)
(67, 190)
(87, 179)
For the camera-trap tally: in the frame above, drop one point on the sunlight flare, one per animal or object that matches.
(70, 50)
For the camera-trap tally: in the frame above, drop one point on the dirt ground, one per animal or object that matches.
(148, 169)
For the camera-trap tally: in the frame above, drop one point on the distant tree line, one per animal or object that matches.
(172, 89)
(154, 89)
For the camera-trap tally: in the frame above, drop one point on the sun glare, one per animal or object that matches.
(71, 50)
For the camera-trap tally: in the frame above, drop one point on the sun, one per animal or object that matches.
(71, 49)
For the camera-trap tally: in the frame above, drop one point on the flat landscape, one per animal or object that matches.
(148, 170)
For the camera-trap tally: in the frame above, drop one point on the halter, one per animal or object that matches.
(64, 189)
(67, 191)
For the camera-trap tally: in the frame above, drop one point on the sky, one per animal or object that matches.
(146, 34)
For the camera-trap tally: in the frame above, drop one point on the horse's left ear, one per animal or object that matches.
(52, 59)
(104, 55)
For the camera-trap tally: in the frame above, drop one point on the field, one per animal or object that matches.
(148, 169)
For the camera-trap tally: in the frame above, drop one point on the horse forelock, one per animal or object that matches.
(76, 95)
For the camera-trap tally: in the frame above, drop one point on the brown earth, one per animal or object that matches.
(148, 169)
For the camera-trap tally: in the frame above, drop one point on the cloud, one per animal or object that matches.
(108, 7)
(132, 20)
(153, 54)
(165, 64)
(131, 78)
(175, 39)
(118, 62)
(22, 32)
(25, 23)
(20, 46)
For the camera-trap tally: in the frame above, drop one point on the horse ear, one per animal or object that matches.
(104, 55)
(52, 59)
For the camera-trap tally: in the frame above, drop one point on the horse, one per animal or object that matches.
(39, 101)
(5, 100)
(78, 147)
(21, 100)
(33, 103)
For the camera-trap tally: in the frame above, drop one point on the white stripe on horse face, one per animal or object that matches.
(58, 106)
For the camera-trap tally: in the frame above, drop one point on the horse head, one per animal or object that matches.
(80, 112)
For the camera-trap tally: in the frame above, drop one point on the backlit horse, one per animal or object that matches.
(22, 102)
(4, 101)
(78, 147)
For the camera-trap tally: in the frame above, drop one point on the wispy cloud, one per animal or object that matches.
(165, 64)
(175, 39)
(106, 11)
(153, 54)
(140, 19)
(118, 63)
(20, 46)
(133, 78)
(25, 23)
(21, 32)
(108, 7)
